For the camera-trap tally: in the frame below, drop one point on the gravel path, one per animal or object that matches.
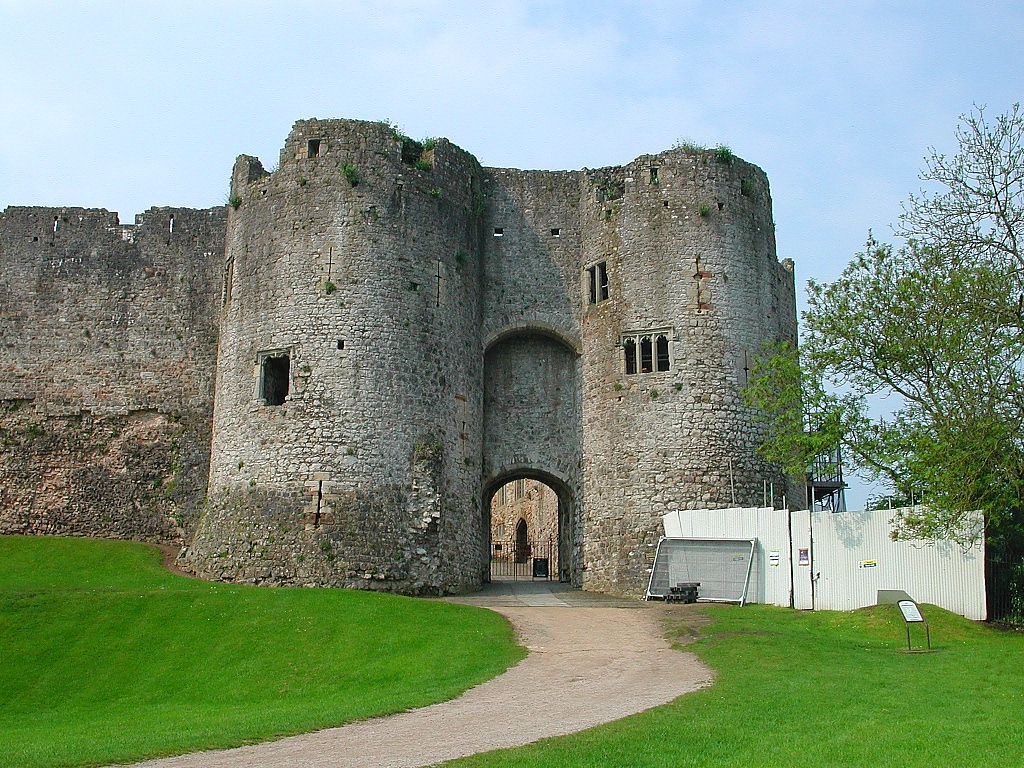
(591, 661)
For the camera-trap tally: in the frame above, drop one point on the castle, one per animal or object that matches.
(325, 381)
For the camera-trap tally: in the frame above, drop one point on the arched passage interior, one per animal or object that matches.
(533, 440)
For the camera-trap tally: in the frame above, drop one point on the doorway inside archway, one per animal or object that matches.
(525, 526)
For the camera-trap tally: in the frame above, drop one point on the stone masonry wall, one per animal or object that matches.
(106, 370)
(362, 267)
(395, 332)
(688, 244)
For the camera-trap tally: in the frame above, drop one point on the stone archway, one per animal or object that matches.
(523, 528)
(533, 428)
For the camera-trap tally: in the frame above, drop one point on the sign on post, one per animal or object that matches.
(912, 615)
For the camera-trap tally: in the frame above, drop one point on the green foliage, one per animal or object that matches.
(429, 143)
(689, 145)
(724, 155)
(411, 149)
(816, 689)
(330, 287)
(802, 421)
(479, 204)
(234, 200)
(435, 192)
(108, 658)
(423, 165)
(350, 173)
(704, 210)
(935, 327)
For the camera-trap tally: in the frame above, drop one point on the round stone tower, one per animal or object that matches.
(342, 452)
(681, 289)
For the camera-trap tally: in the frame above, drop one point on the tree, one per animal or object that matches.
(937, 328)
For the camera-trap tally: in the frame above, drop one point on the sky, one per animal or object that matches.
(128, 105)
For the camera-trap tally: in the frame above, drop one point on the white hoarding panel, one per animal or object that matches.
(855, 556)
(839, 561)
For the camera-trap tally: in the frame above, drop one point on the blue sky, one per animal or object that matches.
(132, 104)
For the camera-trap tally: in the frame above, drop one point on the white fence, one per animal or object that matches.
(839, 561)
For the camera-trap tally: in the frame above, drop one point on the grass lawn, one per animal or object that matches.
(820, 689)
(105, 657)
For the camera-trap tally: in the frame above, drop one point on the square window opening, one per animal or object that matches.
(274, 379)
(499, 232)
(556, 232)
(313, 148)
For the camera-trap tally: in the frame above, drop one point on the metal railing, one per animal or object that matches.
(524, 559)
(1004, 583)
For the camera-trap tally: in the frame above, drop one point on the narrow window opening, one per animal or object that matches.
(274, 379)
(341, 343)
(313, 148)
(499, 232)
(597, 282)
(630, 346)
(170, 225)
(56, 224)
(229, 278)
(664, 203)
(646, 355)
(661, 349)
(556, 232)
(654, 175)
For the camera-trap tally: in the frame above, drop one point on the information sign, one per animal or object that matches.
(910, 610)
(912, 615)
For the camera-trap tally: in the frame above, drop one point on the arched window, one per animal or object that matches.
(661, 349)
(646, 357)
(630, 346)
(654, 353)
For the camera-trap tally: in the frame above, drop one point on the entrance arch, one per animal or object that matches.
(533, 430)
(529, 521)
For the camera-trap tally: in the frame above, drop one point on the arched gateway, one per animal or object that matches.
(533, 429)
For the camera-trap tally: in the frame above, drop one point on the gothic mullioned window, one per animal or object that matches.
(647, 351)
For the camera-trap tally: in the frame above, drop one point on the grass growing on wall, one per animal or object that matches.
(819, 689)
(108, 658)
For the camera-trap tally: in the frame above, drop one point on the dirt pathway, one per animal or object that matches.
(590, 662)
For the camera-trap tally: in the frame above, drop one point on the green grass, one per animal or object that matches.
(106, 657)
(820, 689)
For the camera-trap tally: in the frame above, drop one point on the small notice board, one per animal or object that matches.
(912, 615)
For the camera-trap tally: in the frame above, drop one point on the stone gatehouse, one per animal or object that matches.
(325, 381)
